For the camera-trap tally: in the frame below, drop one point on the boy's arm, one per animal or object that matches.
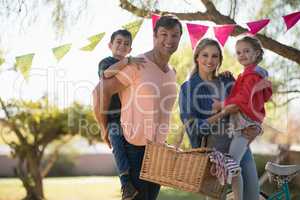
(115, 68)
(101, 100)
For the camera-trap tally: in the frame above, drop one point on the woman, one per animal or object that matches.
(197, 96)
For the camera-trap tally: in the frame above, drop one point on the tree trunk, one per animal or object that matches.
(32, 180)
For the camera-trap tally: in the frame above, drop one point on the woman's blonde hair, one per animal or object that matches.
(199, 47)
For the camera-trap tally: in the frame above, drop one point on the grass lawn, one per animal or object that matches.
(82, 188)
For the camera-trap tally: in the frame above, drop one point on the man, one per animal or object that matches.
(147, 97)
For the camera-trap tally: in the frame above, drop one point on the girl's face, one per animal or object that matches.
(246, 54)
(208, 59)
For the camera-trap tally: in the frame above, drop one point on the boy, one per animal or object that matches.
(120, 46)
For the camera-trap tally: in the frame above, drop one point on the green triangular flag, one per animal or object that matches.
(60, 51)
(95, 39)
(133, 27)
(23, 64)
(2, 60)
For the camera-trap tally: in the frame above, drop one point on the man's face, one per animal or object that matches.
(120, 46)
(167, 40)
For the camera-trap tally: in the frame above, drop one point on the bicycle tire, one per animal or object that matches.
(262, 196)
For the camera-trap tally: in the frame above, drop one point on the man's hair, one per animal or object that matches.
(168, 22)
(123, 32)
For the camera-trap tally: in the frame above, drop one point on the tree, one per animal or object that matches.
(288, 57)
(35, 125)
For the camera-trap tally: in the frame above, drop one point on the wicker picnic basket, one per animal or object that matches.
(186, 170)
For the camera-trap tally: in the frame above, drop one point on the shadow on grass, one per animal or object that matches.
(172, 194)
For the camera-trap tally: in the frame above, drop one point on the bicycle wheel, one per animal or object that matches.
(262, 196)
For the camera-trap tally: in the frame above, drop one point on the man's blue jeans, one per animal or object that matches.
(147, 190)
(117, 141)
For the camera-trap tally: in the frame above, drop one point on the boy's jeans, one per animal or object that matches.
(117, 141)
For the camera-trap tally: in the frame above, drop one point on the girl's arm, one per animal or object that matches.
(115, 68)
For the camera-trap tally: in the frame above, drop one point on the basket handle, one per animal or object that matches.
(181, 136)
(181, 133)
(204, 139)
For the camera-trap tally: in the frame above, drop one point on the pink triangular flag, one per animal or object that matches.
(222, 32)
(154, 19)
(196, 32)
(291, 19)
(256, 26)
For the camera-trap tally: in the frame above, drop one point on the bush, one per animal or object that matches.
(63, 166)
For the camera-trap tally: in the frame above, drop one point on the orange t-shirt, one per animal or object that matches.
(147, 102)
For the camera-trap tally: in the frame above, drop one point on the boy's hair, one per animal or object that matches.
(199, 47)
(168, 22)
(123, 32)
(255, 43)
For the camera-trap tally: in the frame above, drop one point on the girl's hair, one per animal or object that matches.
(256, 44)
(200, 46)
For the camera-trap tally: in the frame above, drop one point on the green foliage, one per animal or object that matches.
(41, 122)
(231, 64)
(36, 124)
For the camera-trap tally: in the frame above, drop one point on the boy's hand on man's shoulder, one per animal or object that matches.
(137, 61)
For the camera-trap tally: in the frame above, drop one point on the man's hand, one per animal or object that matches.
(250, 133)
(106, 140)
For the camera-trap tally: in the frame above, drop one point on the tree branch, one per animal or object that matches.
(288, 91)
(13, 125)
(53, 157)
(212, 14)
(286, 102)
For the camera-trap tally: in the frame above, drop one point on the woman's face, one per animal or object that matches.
(208, 59)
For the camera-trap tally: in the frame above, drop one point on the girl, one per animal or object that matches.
(245, 103)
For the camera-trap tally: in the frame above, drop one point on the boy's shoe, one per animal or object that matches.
(128, 192)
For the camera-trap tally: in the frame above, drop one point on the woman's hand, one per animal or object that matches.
(226, 74)
(216, 106)
(250, 133)
(231, 108)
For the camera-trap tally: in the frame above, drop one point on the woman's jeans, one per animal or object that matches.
(250, 177)
(147, 190)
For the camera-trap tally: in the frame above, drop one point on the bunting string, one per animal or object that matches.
(196, 32)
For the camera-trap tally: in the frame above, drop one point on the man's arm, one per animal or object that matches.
(101, 100)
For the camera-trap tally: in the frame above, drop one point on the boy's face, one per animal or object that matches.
(120, 46)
